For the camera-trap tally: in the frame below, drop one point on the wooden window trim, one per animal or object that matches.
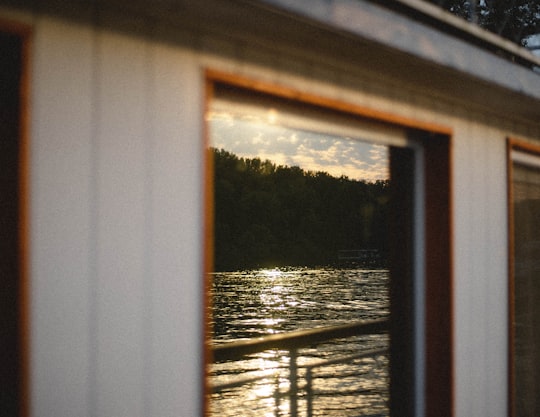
(367, 113)
(24, 32)
(436, 141)
(439, 275)
(208, 252)
(513, 144)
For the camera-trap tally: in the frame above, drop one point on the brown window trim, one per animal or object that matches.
(439, 276)
(24, 32)
(513, 144)
(436, 141)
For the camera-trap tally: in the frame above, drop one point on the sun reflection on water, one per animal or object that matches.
(271, 273)
(273, 300)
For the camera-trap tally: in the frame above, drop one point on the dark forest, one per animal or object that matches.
(269, 215)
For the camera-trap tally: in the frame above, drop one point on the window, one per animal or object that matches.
(415, 243)
(524, 272)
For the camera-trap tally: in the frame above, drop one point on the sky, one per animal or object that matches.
(248, 136)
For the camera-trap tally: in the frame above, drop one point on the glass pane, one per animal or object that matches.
(300, 242)
(526, 194)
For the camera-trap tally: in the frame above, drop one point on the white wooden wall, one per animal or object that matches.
(481, 271)
(117, 209)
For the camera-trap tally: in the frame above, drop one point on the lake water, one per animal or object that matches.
(256, 303)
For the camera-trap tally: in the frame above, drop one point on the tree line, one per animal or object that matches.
(269, 215)
(514, 20)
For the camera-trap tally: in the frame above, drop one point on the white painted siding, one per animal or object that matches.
(61, 213)
(177, 242)
(116, 226)
(116, 219)
(481, 278)
(119, 227)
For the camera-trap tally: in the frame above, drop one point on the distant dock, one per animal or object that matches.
(359, 256)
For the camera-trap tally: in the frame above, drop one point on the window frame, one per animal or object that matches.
(435, 320)
(514, 145)
(21, 291)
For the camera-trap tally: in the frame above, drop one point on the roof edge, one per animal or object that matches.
(424, 13)
(435, 16)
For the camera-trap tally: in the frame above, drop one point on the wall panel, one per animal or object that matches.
(60, 186)
(116, 221)
(120, 224)
(481, 272)
(175, 248)
(496, 261)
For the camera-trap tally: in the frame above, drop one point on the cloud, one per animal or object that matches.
(248, 137)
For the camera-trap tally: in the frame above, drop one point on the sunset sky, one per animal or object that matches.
(248, 136)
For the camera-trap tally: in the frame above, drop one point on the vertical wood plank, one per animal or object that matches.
(496, 277)
(60, 218)
(176, 245)
(120, 170)
(481, 269)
